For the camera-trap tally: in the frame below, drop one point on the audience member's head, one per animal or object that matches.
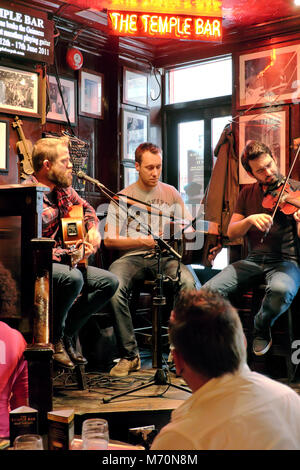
(205, 330)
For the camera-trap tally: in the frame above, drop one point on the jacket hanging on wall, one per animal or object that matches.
(223, 189)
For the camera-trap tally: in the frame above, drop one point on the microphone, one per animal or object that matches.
(164, 245)
(80, 174)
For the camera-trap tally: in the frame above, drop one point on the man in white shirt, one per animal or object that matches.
(232, 408)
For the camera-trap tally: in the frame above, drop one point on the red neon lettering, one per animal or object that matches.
(145, 19)
(180, 26)
(114, 19)
(154, 24)
(187, 26)
(133, 23)
(207, 28)
(173, 22)
(163, 24)
(124, 23)
(217, 28)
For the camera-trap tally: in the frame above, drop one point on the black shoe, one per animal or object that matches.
(76, 356)
(61, 357)
(262, 341)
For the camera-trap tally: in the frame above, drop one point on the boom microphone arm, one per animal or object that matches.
(161, 243)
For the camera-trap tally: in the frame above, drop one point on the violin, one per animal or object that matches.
(284, 199)
(24, 147)
(289, 201)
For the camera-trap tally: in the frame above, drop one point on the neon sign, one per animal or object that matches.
(170, 26)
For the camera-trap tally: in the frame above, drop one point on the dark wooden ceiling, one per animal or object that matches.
(243, 21)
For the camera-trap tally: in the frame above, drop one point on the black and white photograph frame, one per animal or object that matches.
(269, 77)
(135, 87)
(130, 174)
(19, 92)
(67, 97)
(135, 130)
(271, 128)
(91, 85)
(4, 145)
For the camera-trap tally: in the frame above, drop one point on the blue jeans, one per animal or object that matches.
(130, 269)
(282, 280)
(95, 286)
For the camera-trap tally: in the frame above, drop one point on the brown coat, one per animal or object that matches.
(223, 189)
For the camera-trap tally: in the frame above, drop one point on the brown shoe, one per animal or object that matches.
(61, 357)
(125, 366)
(74, 355)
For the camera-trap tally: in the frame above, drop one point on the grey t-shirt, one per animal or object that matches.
(282, 241)
(131, 220)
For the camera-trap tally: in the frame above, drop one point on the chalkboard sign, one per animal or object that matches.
(25, 33)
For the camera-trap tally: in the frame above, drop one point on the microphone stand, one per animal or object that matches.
(159, 300)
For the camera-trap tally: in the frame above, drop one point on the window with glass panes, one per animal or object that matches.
(198, 109)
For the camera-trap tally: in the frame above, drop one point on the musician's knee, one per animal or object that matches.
(281, 290)
(75, 279)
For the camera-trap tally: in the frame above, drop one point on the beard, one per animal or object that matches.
(59, 178)
(277, 177)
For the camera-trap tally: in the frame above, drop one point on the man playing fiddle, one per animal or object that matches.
(126, 233)
(273, 245)
(77, 293)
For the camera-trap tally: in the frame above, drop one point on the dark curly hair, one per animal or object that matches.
(253, 150)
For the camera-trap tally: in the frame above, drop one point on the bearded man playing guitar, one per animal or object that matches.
(77, 293)
(273, 245)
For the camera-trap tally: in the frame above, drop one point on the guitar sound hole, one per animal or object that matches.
(72, 229)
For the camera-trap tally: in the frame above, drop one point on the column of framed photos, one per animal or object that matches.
(134, 119)
(268, 84)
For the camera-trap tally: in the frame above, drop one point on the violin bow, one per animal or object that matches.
(285, 183)
(282, 189)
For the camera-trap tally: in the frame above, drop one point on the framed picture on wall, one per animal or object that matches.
(135, 126)
(271, 128)
(130, 174)
(91, 94)
(63, 96)
(4, 146)
(269, 77)
(19, 92)
(135, 87)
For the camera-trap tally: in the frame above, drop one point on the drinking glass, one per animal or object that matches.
(28, 442)
(95, 434)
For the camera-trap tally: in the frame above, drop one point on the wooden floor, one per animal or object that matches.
(152, 405)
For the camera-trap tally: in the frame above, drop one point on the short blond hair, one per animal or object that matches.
(46, 149)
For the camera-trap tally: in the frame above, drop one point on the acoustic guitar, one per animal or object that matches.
(24, 147)
(73, 230)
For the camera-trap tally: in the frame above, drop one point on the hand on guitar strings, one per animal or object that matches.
(81, 251)
(93, 237)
